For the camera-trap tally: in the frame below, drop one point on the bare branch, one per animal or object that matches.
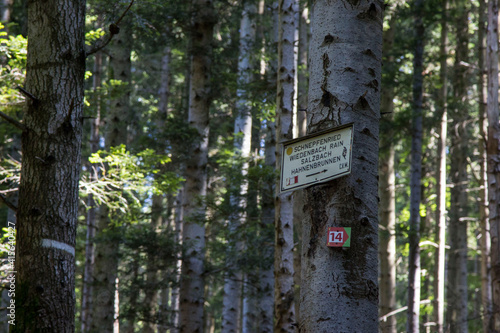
(13, 121)
(28, 94)
(8, 203)
(114, 29)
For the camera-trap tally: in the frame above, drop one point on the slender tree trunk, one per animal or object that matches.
(128, 325)
(302, 86)
(266, 302)
(485, 241)
(302, 81)
(178, 231)
(88, 273)
(157, 206)
(192, 280)
(387, 192)
(441, 178)
(345, 73)
(284, 303)
(266, 275)
(416, 176)
(249, 322)
(107, 241)
(48, 192)
(151, 286)
(233, 281)
(493, 150)
(457, 231)
(5, 10)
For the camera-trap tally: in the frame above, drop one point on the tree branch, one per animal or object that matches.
(8, 203)
(114, 29)
(28, 94)
(13, 121)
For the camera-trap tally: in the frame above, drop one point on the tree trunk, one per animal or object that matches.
(266, 280)
(87, 289)
(174, 296)
(493, 150)
(5, 10)
(441, 178)
(192, 280)
(457, 259)
(163, 100)
(107, 241)
(485, 241)
(48, 192)
(344, 82)
(284, 303)
(416, 176)
(387, 191)
(302, 86)
(302, 83)
(233, 280)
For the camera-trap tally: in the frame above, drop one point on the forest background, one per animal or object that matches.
(135, 223)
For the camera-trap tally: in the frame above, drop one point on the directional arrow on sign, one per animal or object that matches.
(317, 173)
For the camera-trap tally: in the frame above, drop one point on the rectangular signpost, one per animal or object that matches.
(316, 158)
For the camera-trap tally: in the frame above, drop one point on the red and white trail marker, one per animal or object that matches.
(339, 237)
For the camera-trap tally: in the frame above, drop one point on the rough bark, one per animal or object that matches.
(493, 151)
(441, 178)
(344, 82)
(387, 191)
(195, 189)
(413, 313)
(485, 241)
(457, 259)
(107, 241)
(233, 280)
(284, 303)
(48, 192)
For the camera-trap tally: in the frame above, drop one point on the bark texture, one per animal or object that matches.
(387, 190)
(456, 317)
(195, 189)
(344, 82)
(413, 314)
(485, 241)
(493, 150)
(441, 179)
(48, 192)
(266, 275)
(284, 304)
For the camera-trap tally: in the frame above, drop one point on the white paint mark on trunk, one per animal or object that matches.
(49, 243)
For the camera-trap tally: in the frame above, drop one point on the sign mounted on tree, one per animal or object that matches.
(339, 237)
(316, 158)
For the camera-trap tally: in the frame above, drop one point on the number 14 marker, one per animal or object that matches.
(339, 237)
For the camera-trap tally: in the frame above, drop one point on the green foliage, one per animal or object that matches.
(123, 173)
(13, 52)
(94, 35)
